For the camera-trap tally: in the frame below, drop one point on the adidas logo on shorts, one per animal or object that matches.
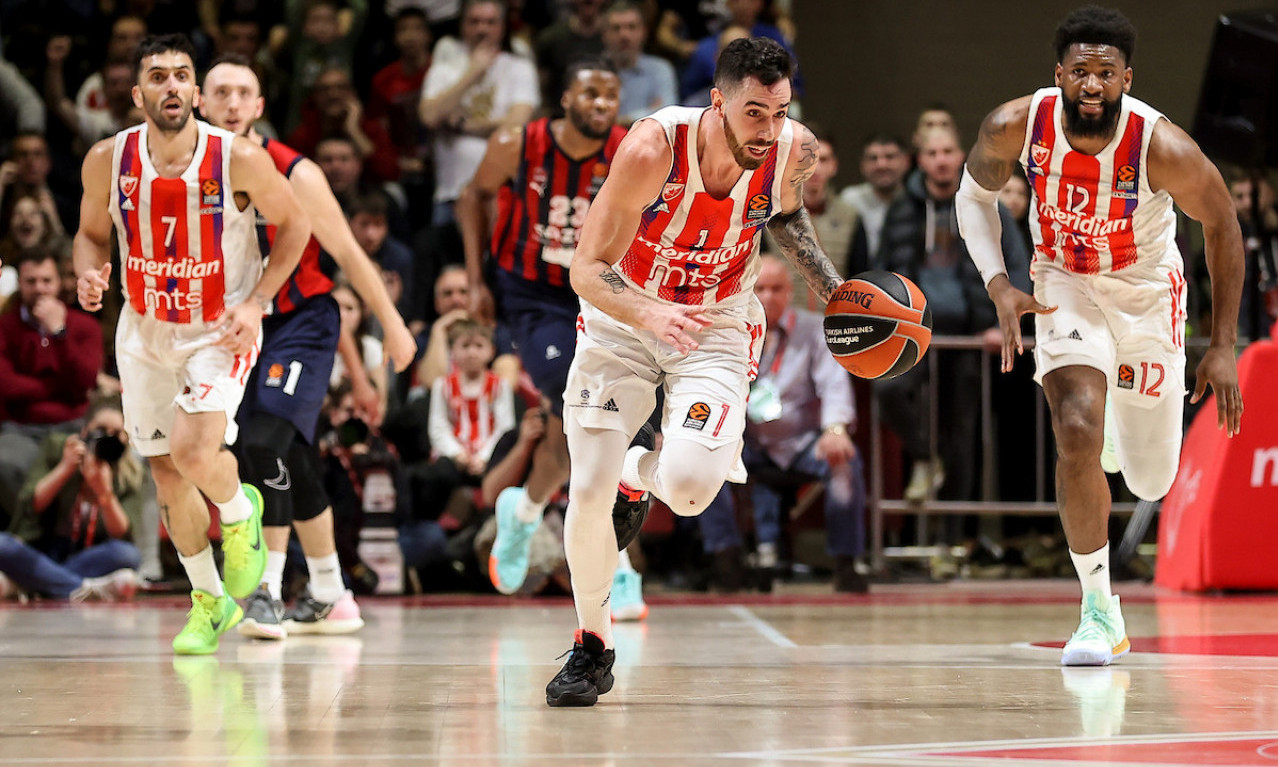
(611, 406)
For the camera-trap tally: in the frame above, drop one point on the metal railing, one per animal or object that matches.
(988, 503)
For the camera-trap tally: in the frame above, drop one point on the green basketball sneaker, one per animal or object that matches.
(244, 551)
(209, 617)
(1101, 636)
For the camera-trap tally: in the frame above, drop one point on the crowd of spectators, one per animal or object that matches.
(396, 100)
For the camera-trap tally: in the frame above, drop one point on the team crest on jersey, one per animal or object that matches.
(758, 208)
(1040, 153)
(672, 192)
(128, 185)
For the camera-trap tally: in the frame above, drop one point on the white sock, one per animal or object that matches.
(326, 578)
(623, 562)
(273, 578)
(528, 510)
(1093, 571)
(638, 469)
(201, 570)
(238, 509)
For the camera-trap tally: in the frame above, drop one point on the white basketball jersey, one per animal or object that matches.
(188, 252)
(1095, 214)
(691, 247)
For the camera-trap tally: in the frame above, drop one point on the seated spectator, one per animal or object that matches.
(355, 324)
(335, 110)
(78, 513)
(884, 163)
(799, 415)
(469, 93)
(126, 33)
(343, 166)
(397, 89)
(576, 36)
(117, 111)
(756, 19)
(452, 299)
(934, 116)
(700, 96)
(471, 406)
(30, 227)
(49, 362)
(647, 82)
(369, 223)
(26, 172)
(322, 36)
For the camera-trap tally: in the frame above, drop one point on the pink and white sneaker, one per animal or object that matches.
(310, 616)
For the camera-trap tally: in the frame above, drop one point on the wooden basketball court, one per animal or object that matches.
(955, 674)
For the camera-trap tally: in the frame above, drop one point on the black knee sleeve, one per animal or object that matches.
(264, 444)
(309, 498)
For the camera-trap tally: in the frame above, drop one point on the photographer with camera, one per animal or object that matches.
(72, 535)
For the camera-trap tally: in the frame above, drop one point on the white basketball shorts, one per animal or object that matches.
(616, 370)
(163, 365)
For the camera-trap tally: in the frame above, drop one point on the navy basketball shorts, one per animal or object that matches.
(292, 374)
(543, 326)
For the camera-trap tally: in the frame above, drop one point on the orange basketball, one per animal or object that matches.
(878, 324)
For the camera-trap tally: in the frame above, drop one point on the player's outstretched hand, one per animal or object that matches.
(91, 286)
(240, 327)
(674, 324)
(400, 346)
(1011, 303)
(1219, 368)
(482, 307)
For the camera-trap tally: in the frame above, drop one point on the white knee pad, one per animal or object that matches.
(689, 475)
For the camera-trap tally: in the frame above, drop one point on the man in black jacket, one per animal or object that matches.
(921, 241)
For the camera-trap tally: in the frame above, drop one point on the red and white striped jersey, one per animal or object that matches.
(1095, 214)
(693, 248)
(474, 419)
(188, 251)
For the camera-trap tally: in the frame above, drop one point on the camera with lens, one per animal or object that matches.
(104, 446)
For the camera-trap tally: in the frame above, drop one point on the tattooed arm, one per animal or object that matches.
(792, 227)
(635, 179)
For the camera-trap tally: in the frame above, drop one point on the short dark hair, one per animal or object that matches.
(1098, 26)
(370, 204)
(884, 138)
(36, 254)
(153, 44)
(822, 135)
(591, 64)
(759, 57)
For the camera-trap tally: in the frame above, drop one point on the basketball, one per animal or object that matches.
(878, 324)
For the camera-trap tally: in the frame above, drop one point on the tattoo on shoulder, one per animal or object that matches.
(613, 280)
(807, 163)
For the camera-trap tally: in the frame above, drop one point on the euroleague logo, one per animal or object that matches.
(697, 416)
(1126, 377)
(758, 207)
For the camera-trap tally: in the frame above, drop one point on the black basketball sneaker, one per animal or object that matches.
(631, 508)
(586, 675)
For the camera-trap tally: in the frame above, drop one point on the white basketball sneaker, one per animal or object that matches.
(1101, 636)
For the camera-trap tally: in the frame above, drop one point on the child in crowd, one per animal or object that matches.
(471, 407)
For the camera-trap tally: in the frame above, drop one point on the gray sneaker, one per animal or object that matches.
(263, 616)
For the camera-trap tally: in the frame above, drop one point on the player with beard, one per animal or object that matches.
(183, 198)
(286, 391)
(544, 176)
(1109, 286)
(665, 269)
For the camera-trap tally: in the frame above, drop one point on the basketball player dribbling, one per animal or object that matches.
(665, 269)
(181, 195)
(1109, 286)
